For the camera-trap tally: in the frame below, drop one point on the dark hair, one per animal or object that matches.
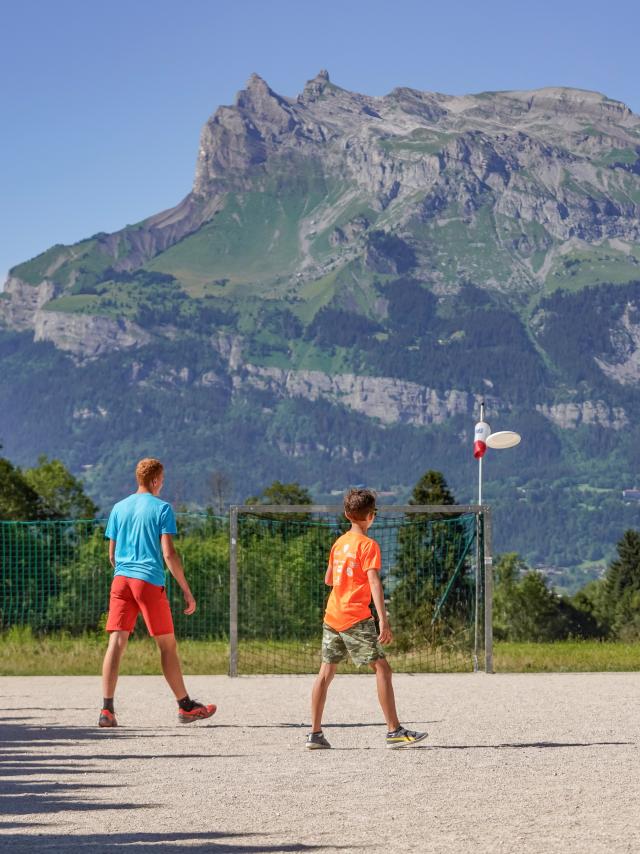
(359, 503)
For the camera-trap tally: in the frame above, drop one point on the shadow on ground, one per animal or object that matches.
(215, 842)
(527, 744)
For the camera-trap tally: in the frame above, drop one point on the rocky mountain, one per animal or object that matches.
(347, 278)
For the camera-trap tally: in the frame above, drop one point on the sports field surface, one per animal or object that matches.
(514, 763)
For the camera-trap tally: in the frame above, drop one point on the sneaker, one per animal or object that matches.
(107, 718)
(317, 741)
(404, 738)
(197, 712)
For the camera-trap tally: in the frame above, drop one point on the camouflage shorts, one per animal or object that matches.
(359, 641)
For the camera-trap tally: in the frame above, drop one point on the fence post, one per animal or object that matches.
(476, 616)
(233, 591)
(488, 591)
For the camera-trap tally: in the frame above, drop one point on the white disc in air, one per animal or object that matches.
(503, 439)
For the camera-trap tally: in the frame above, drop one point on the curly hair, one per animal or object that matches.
(148, 470)
(359, 503)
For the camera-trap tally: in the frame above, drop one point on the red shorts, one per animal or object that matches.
(131, 596)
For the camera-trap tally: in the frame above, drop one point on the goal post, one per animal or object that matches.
(436, 571)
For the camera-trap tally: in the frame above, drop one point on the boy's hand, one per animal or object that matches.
(386, 635)
(190, 602)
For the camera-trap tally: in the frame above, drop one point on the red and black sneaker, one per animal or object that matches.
(197, 712)
(107, 718)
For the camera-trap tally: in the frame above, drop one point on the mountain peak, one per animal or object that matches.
(262, 103)
(255, 83)
(315, 87)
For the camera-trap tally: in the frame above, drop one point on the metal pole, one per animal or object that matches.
(488, 592)
(233, 591)
(476, 622)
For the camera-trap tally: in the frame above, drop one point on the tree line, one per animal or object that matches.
(431, 574)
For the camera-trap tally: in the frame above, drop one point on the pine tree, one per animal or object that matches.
(432, 488)
(622, 585)
(431, 550)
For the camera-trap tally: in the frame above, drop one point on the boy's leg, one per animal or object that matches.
(171, 664)
(397, 735)
(111, 666)
(319, 694)
(156, 611)
(189, 710)
(123, 612)
(386, 694)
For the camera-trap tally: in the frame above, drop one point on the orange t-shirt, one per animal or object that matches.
(351, 556)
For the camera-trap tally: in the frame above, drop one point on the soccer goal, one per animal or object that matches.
(436, 571)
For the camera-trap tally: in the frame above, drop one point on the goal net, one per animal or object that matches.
(433, 561)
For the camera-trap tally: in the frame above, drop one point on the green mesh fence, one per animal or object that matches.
(429, 575)
(56, 576)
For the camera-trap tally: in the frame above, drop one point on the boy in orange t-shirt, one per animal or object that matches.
(349, 629)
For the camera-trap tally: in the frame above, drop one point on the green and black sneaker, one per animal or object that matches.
(317, 741)
(404, 738)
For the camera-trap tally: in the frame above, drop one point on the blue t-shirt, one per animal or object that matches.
(136, 524)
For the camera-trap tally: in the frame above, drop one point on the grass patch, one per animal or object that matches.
(566, 657)
(593, 265)
(76, 304)
(24, 654)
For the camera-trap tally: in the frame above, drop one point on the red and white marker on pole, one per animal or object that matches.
(480, 436)
(483, 438)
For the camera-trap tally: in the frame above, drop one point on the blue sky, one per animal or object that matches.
(102, 104)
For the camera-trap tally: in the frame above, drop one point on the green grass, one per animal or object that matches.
(566, 657)
(254, 239)
(593, 265)
(465, 247)
(76, 304)
(23, 654)
(64, 264)
(34, 270)
(315, 295)
(419, 141)
(618, 155)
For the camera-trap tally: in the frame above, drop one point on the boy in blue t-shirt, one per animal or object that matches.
(140, 533)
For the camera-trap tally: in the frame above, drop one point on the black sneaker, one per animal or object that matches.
(317, 741)
(404, 738)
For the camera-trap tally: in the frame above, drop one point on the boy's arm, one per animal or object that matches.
(112, 553)
(328, 576)
(377, 593)
(172, 559)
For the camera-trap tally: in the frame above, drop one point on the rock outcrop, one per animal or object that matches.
(21, 302)
(390, 400)
(87, 336)
(625, 339)
(590, 413)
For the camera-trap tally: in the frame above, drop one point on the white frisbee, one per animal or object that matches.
(503, 439)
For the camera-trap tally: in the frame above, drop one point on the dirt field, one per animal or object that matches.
(514, 763)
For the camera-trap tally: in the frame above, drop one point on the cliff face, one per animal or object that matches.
(87, 336)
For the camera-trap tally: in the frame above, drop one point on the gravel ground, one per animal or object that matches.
(514, 763)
